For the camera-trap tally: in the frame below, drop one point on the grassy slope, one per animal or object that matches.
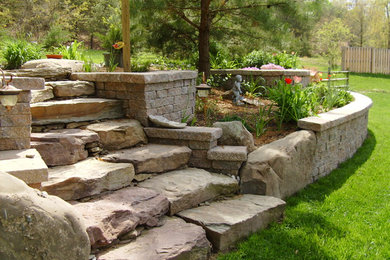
(345, 215)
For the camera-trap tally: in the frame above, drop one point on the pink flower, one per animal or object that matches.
(250, 68)
(297, 79)
(271, 66)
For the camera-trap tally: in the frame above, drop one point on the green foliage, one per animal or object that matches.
(113, 35)
(253, 87)
(294, 102)
(18, 52)
(55, 37)
(329, 38)
(345, 214)
(230, 118)
(73, 51)
(259, 58)
(218, 80)
(331, 97)
(262, 119)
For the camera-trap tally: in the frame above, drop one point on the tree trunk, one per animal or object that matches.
(204, 37)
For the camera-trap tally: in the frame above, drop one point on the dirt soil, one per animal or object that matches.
(218, 106)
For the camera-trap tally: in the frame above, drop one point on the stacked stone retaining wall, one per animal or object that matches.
(167, 93)
(285, 166)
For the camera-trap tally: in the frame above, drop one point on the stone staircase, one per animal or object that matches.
(145, 193)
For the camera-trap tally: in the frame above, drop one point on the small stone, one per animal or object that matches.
(161, 121)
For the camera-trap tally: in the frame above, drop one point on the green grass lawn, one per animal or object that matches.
(345, 215)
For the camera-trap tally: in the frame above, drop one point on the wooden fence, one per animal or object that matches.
(366, 60)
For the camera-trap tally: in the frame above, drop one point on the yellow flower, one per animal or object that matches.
(118, 45)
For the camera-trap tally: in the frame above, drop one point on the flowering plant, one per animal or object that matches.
(118, 45)
(288, 81)
(250, 68)
(271, 66)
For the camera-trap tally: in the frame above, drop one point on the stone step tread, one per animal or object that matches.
(176, 239)
(192, 133)
(75, 110)
(26, 164)
(70, 88)
(120, 133)
(64, 146)
(228, 221)
(111, 215)
(228, 153)
(189, 187)
(152, 158)
(87, 178)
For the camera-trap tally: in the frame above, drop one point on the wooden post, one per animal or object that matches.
(126, 35)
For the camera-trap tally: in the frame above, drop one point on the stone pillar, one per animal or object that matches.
(15, 124)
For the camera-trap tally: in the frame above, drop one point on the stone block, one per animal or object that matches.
(228, 221)
(26, 165)
(188, 187)
(187, 133)
(118, 134)
(176, 239)
(152, 158)
(228, 153)
(87, 178)
(42, 95)
(72, 88)
(111, 215)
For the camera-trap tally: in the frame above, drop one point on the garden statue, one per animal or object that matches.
(237, 91)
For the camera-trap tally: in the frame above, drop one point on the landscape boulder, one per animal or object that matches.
(280, 168)
(235, 133)
(119, 134)
(34, 225)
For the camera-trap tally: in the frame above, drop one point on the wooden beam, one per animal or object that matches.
(126, 34)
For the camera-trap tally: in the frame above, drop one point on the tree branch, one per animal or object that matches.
(247, 7)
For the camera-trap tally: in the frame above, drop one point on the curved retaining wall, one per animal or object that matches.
(285, 166)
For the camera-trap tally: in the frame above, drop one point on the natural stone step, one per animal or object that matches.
(193, 137)
(112, 215)
(41, 95)
(152, 158)
(176, 239)
(71, 88)
(228, 221)
(228, 153)
(63, 147)
(75, 110)
(87, 178)
(188, 187)
(119, 134)
(26, 165)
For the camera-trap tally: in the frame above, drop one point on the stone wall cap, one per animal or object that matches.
(27, 83)
(136, 77)
(337, 116)
(286, 72)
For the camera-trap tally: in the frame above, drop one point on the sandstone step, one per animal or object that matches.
(119, 134)
(109, 216)
(87, 178)
(193, 137)
(228, 153)
(63, 147)
(26, 165)
(152, 158)
(228, 221)
(70, 88)
(189, 187)
(75, 110)
(176, 239)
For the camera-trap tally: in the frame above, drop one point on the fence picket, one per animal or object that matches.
(366, 60)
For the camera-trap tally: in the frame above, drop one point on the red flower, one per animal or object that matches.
(288, 80)
(329, 76)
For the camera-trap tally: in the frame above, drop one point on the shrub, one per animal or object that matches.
(253, 87)
(56, 36)
(259, 58)
(18, 52)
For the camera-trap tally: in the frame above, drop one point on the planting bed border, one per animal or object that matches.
(286, 166)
